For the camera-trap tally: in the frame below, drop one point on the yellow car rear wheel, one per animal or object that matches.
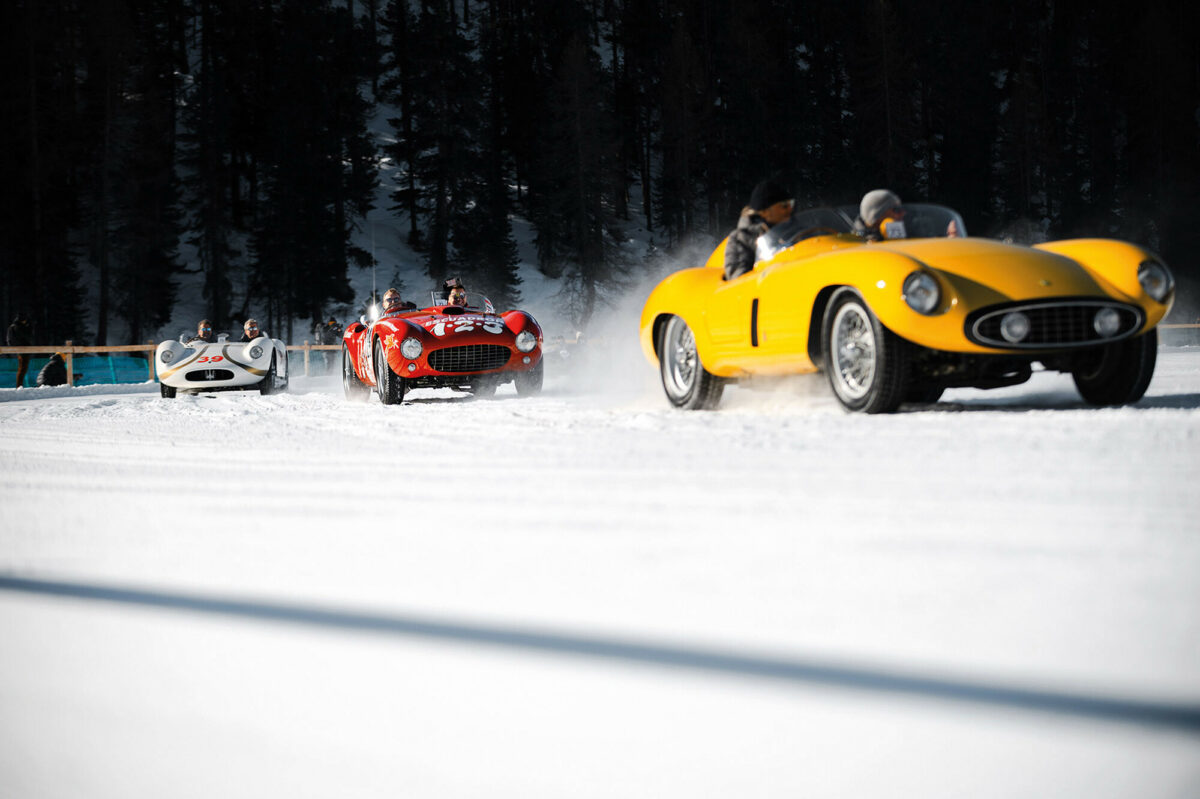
(687, 383)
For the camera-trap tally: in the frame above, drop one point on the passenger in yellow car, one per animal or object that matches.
(880, 216)
(769, 205)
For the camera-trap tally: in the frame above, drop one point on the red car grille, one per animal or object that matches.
(471, 358)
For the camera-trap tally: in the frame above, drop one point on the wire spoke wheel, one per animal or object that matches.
(391, 386)
(686, 382)
(854, 351)
(679, 357)
(866, 363)
(354, 388)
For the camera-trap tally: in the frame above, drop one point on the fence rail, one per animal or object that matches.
(69, 350)
(309, 348)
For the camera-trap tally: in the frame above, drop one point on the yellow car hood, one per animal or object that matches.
(1005, 271)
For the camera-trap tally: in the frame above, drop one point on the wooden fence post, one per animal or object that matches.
(306, 351)
(150, 359)
(70, 361)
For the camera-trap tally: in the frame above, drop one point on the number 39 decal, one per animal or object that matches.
(210, 359)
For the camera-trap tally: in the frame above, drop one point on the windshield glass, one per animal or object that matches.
(802, 225)
(474, 301)
(925, 221)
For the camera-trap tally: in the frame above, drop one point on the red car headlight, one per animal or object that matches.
(411, 348)
(526, 341)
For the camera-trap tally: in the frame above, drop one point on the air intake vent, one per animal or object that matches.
(471, 358)
(209, 375)
(1053, 324)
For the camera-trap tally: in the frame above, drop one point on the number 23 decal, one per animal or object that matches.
(211, 359)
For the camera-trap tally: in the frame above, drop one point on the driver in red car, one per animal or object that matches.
(392, 304)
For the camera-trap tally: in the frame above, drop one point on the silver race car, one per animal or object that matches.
(222, 365)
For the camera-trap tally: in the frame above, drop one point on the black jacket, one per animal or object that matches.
(742, 248)
(53, 373)
(20, 334)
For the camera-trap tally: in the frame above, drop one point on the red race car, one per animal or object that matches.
(468, 347)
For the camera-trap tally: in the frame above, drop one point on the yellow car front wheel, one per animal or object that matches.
(865, 362)
(1119, 373)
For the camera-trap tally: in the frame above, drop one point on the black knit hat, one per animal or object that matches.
(766, 194)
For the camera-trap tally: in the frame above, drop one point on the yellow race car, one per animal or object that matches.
(901, 320)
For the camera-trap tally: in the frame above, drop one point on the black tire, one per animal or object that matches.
(356, 390)
(866, 363)
(388, 384)
(687, 384)
(1120, 373)
(168, 392)
(529, 383)
(267, 384)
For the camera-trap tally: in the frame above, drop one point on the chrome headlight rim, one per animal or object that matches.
(166, 356)
(411, 348)
(1156, 279)
(1107, 322)
(526, 341)
(256, 352)
(1015, 327)
(922, 292)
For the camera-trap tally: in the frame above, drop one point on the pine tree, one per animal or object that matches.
(575, 228)
(484, 251)
(146, 240)
(40, 147)
(209, 169)
(315, 164)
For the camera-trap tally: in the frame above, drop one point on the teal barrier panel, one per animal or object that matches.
(93, 369)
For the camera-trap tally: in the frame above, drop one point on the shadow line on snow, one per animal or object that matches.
(1053, 403)
(1179, 716)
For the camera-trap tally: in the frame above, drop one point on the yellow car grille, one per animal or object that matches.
(1053, 324)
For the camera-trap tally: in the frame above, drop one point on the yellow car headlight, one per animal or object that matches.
(922, 292)
(1156, 280)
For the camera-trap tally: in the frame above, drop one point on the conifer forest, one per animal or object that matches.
(239, 140)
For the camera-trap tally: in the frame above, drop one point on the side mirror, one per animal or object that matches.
(362, 320)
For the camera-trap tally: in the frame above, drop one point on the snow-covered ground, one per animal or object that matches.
(587, 594)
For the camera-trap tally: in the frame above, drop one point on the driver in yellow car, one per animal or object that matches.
(770, 204)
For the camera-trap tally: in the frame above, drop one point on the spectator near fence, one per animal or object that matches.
(20, 334)
(54, 373)
(327, 333)
(330, 333)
